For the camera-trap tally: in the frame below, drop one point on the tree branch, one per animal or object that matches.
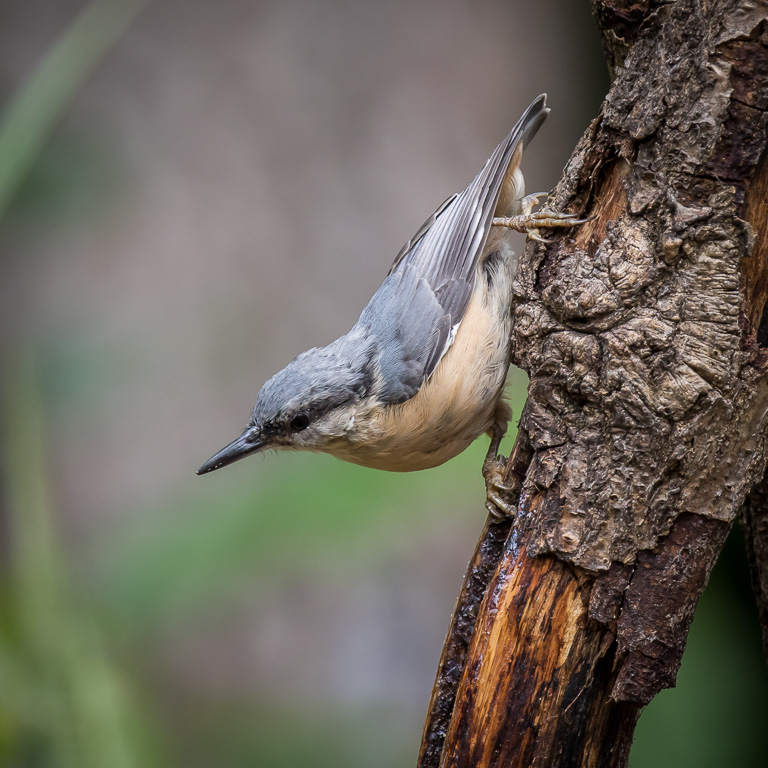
(645, 425)
(479, 572)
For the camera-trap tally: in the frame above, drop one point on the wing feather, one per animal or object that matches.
(417, 310)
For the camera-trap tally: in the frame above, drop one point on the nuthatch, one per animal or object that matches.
(421, 374)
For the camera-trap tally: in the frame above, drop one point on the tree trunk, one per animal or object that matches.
(644, 334)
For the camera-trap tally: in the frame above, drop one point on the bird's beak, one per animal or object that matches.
(249, 442)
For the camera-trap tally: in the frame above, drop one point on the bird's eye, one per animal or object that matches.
(300, 421)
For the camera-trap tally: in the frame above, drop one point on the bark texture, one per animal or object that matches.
(619, 22)
(645, 429)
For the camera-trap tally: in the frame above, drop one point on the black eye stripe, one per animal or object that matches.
(300, 421)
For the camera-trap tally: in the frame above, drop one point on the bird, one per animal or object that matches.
(421, 374)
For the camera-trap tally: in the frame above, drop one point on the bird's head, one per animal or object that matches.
(309, 405)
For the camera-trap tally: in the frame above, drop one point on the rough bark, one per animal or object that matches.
(619, 22)
(645, 428)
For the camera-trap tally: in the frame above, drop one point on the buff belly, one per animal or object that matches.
(460, 400)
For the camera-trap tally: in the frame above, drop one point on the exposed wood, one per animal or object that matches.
(451, 666)
(479, 572)
(755, 282)
(512, 665)
(645, 426)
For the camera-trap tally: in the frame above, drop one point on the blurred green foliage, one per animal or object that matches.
(29, 118)
(76, 669)
(63, 702)
(717, 713)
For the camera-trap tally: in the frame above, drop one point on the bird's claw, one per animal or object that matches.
(530, 221)
(529, 202)
(496, 491)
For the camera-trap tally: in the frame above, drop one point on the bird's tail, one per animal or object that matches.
(532, 119)
(512, 186)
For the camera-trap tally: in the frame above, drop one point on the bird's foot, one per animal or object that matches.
(496, 491)
(530, 222)
(529, 202)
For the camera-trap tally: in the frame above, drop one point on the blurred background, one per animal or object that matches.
(191, 194)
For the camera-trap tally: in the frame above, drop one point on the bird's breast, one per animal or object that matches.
(456, 404)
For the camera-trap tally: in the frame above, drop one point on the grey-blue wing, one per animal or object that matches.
(420, 232)
(415, 313)
(411, 327)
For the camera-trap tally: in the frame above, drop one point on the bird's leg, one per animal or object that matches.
(493, 472)
(530, 222)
